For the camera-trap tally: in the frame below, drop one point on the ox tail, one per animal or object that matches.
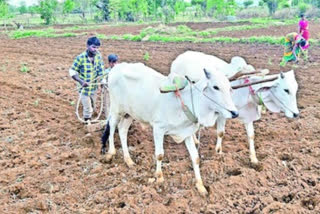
(104, 138)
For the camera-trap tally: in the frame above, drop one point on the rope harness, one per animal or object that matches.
(103, 91)
(253, 93)
(190, 115)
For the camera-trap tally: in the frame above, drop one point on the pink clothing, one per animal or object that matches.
(303, 24)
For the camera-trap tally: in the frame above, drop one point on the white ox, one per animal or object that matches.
(191, 62)
(134, 94)
(278, 95)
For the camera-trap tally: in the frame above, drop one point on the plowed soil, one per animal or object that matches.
(49, 163)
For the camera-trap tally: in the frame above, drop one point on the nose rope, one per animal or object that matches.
(253, 93)
(210, 98)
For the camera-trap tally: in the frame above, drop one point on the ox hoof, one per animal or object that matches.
(129, 162)
(109, 157)
(159, 177)
(160, 180)
(112, 152)
(201, 189)
(254, 161)
(219, 150)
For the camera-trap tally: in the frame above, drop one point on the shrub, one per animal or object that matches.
(286, 13)
(302, 7)
(146, 56)
(24, 68)
(253, 13)
(183, 29)
(313, 13)
(247, 3)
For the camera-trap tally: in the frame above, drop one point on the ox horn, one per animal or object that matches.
(254, 83)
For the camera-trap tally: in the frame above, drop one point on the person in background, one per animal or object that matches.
(293, 45)
(304, 32)
(113, 60)
(87, 69)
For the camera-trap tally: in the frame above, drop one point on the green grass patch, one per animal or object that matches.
(76, 28)
(132, 37)
(48, 33)
(182, 30)
(19, 34)
(271, 21)
(102, 36)
(24, 68)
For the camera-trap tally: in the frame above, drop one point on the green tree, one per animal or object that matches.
(139, 8)
(303, 7)
(33, 10)
(130, 10)
(221, 7)
(23, 8)
(200, 3)
(47, 9)
(68, 6)
(82, 6)
(153, 6)
(103, 6)
(114, 8)
(247, 3)
(272, 5)
(284, 4)
(4, 11)
(180, 6)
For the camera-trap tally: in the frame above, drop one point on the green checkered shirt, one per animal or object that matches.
(88, 71)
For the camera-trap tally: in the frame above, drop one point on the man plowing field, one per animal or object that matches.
(87, 70)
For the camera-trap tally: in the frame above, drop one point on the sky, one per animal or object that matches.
(18, 2)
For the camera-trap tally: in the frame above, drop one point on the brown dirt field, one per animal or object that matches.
(50, 164)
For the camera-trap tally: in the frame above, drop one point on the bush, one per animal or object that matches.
(286, 13)
(247, 3)
(313, 13)
(284, 4)
(183, 29)
(302, 8)
(253, 13)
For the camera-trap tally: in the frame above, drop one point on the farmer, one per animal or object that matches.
(87, 69)
(304, 32)
(113, 60)
(304, 27)
(293, 45)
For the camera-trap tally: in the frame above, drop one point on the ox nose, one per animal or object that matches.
(295, 115)
(234, 114)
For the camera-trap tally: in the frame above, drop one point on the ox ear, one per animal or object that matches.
(208, 75)
(282, 75)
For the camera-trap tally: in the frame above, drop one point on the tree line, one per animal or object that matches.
(143, 10)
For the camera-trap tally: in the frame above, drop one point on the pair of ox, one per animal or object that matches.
(134, 94)
(276, 95)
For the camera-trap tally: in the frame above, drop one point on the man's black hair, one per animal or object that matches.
(301, 15)
(112, 58)
(93, 41)
(303, 42)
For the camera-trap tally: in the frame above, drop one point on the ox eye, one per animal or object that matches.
(216, 87)
(287, 91)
